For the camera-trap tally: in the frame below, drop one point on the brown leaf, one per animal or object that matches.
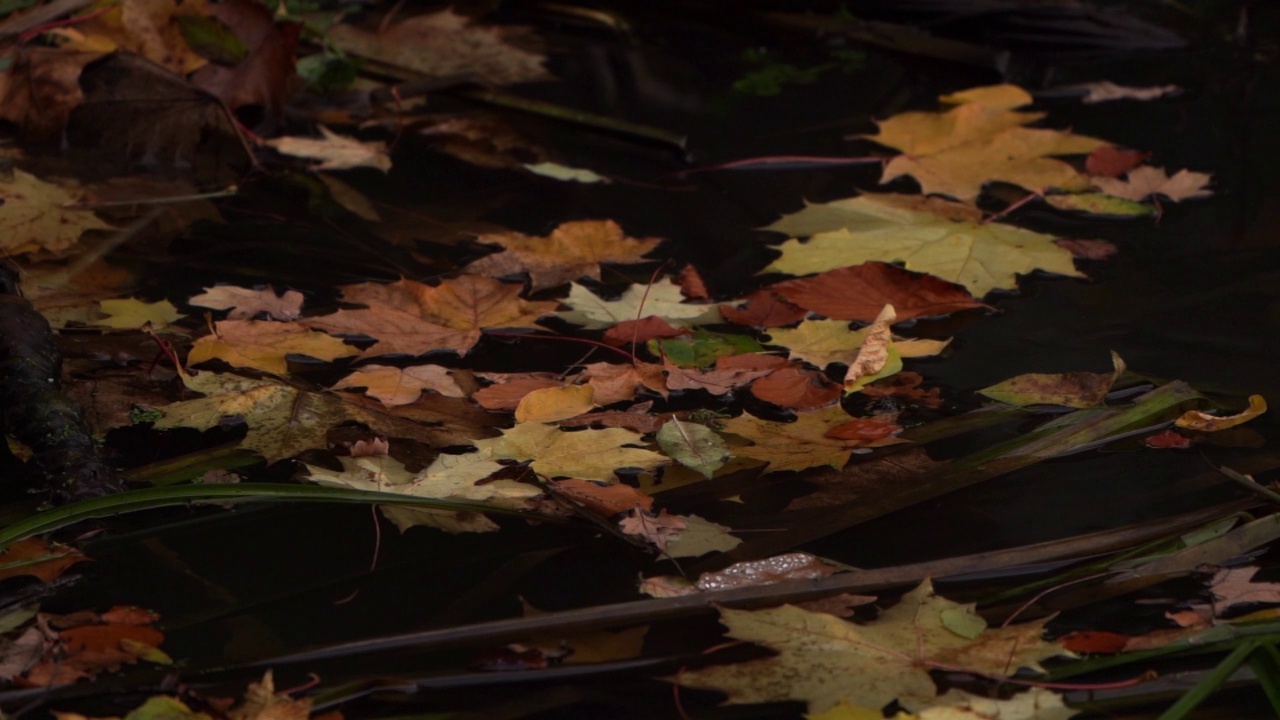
(905, 385)
(731, 371)
(38, 558)
(411, 318)
(764, 309)
(267, 73)
(796, 388)
(691, 284)
(617, 382)
(1108, 161)
(605, 500)
(1087, 249)
(40, 88)
(572, 251)
(510, 388)
(245, 303)
(657, 529)
(864, 430)
(635, 332)
(264, 345)
(861, 291)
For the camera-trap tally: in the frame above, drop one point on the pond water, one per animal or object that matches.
(1194, 296)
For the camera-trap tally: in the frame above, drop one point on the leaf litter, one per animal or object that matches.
(875, 259)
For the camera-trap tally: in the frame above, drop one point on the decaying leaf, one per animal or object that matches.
(1204, 422)
(445, 44)
(823, 660)
(246, 303)
(873, 358)
(1075, 389)
(334, 151)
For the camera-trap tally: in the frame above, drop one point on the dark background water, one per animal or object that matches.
(1193, 296)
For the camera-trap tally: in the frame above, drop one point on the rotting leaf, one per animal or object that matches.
(1074, 389)
(1204, 422)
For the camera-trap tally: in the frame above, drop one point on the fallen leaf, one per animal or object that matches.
(767, 571)
(731, 371)
(859, 292)
(616, 382)
(944, 239)
(1094, 641)
(401, 386)
(41, 87)
(1143, 182)
(764, 309)
(334, 151)
(410, 318)
(819, 342)
(662, 299)
(150, 28)
(1110, 161)
(657, 529)
(573, 250)
(264, 345)
(131, 314)
(873, 357)
(1106, 91)
(605, 500)
(547, 405)
(981, 140)
(1167, 439)
(445, 44)
(905, 385)
(1234, 586)
(267, 74)
(508, 389)
(584, 454)
(699, 537)
(1098, 204)
(823, 660)
(1074, 389)
(796, 445)
(692, 284)
(38, 558)
(694, 446)
(556, 171)
(1033, 704)
(865, 430)
(637, 332)
(262, 702)
(1204, 422)
(703, 347)
(1088, 249)
(796, 388)
(449, 477)
(246, 303)
(37, 218)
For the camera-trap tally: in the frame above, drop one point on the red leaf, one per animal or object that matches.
(905, 385)
(793, 387)
(1167, 439)
(1094, 641)
(691, 284)
(860, 292)
(864, 430)
(1087, 249)
(763, 309)
(642, 330)
(1109, 161)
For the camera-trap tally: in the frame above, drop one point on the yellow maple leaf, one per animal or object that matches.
(572, 251)
(546, 405)
(663, 299)
(800, 444)
(938, 237)
(823, 660)
(586, 454)
(264, 345)
(37, 217)
(982, 139)
(131, 313)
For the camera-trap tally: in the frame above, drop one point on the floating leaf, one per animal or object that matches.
(693, 445)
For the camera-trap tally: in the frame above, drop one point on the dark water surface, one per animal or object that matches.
(1195, 296)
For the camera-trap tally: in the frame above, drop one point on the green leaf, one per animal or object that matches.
(695, 446)
(703, 348)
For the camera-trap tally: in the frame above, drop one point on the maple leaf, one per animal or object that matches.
(37, 217)
(1235, 586)
(606, 500)
(982, 139)
(410, 318)
(283, 421)
(731, 371)
(262, 702)
(334, 151)
(662, 299)
(448, 477)
(585, 454)
(266, 73)
(445, 44)
(264, 345)
(764, 309)
(245, 303)
(823, 660)
(1146, 181)
(401, 386)
(698, 537)
(572, 251)
(795, 445)
(38, 558)
(941, 238)
(860, 291)
(615, 382)
(508, 389)
(820, 342)
(130, 313)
